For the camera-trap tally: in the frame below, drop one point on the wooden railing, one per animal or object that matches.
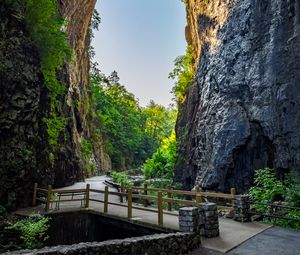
(161, 197)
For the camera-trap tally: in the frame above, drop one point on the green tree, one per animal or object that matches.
(162, 162)
(160, 121)
(183, 74)
(131, 133)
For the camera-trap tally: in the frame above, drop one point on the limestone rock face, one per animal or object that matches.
(242, 112)
(24, 147)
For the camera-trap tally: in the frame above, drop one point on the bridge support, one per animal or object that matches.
(208, 220)
(203, 219)
(188, 219)
(241, 207)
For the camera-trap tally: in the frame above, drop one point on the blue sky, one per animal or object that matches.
(140, 40)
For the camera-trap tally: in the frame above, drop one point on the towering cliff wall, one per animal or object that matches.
(242, 110)
(26, 156)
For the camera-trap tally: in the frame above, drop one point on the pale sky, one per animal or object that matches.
(140, 40)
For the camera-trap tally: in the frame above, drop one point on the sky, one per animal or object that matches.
(140, 40)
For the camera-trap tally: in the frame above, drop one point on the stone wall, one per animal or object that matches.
(25, 153)
(242, 112)
(172, 244)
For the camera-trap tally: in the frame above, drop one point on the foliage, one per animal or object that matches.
(121, 177)
(46, 28)
(87, 151)
(162, 162)
(267, 188)
(32, 231)
(293, 214)
(87, 148)
(3, 212)
(183, 73)
(184, 1)
(292, 194)
(54, 126)
(131, 133)
(159, 121)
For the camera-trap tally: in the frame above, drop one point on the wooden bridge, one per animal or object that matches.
(154, 200)
(145, 205)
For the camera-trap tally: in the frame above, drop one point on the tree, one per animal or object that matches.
(183, 73)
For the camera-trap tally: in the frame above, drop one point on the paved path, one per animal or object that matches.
(232, 233)
(273, 241)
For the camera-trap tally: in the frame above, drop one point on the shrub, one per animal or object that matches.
(121, 177)
(267, 188)
(32, 231)
(292, 195)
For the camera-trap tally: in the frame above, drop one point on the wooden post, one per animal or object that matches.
(106, 199)
(129, 201)
(198, 196)
(87, 196)
(160, 208)
(233, 192)
(35, 186)
(122, 190)
(145, 193)
(169, 203)
(48, 199)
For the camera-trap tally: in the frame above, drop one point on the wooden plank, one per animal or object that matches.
(117, 204)
(49, 194)
(160, 208)
(216, 195)
(129, 203)
(117, 193)
(97, 191)
(35, 186)
(63, 191)
(179, 201)
(233, 191)
(87, 196)
(106, 199)
(169, 204)
(149, 198)
(67, 200)
(145, 194)
(42, 190)
(96, 200)
(147, 209)
(189, 193)
(174, 213)
(223, 207)
(199, 198)
(122, 191)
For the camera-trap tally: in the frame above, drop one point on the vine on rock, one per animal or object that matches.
(46, 27)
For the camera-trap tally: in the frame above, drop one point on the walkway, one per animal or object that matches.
(232, 233)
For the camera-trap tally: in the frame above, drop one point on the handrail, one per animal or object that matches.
(251, 202)
(186, 192)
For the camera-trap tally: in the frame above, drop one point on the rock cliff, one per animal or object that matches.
(242, 110)
(24, 148)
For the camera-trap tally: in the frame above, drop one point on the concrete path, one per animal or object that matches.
(232, 233)
(274, 241)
